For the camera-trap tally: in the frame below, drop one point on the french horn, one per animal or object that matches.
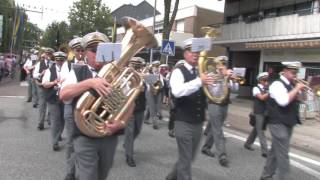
(93, 111)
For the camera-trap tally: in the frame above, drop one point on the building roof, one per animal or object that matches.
(141, 11)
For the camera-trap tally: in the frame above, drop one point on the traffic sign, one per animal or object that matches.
(168, 47)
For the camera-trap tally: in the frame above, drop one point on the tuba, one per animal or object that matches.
(92, 111)
(208, 65)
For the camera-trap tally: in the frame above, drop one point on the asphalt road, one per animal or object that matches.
(26, 153)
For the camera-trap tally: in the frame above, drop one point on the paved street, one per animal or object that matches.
(26, 154)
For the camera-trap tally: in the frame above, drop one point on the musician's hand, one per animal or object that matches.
(300, 86)
(115, 125)
(229, 72)
(100, 85)
(206, 79)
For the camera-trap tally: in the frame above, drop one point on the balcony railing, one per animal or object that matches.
(272, 29)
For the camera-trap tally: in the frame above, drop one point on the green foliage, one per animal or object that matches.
(89, 15)
(31, 36)
(56, 34)
(7, 9)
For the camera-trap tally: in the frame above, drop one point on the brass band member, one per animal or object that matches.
(154, 95)
(283, 114)
(75, 45)
(190, 105)
(217, 115)
(93, 156)
(260, 94)
(51, 83)
(133, 127)
(29, 67)
(38, 73)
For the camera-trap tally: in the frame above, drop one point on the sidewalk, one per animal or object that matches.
(305, 137)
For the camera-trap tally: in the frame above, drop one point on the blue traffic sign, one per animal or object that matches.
(167, 47)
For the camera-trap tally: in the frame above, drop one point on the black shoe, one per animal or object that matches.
(147, 122)
(40, 127)
(35, 105)
(29, 100)
(171, 133)
(56, 147)
(248, 147)
(264, 155)
(49, 122)
(155, 127)
(130, 162)
(224, 162)
(207, 152)
(60, 138)
(70, 177)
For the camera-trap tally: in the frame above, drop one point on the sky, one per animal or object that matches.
(57, 10)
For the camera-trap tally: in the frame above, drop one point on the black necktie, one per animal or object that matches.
(194, 71)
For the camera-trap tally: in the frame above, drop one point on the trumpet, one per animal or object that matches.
(239, 79)
(305, 83)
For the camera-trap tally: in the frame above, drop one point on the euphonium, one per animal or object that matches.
(92, 111)
(208, 65)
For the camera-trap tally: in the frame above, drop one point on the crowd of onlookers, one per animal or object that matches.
(8, 64)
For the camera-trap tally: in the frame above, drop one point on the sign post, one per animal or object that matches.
(168, 48)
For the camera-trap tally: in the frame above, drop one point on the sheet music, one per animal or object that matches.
(201, 44)
(107, 52)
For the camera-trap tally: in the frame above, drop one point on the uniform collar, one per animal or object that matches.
(284, 79)
(188, 66)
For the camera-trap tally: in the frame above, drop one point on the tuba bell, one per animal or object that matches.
(208, 65)
(93, 111)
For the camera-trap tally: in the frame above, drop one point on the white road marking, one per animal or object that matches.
(306, 169)
(20, 97)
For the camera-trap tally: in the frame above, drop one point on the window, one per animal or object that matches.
(304, 8)
(286, 10)
(180, 26)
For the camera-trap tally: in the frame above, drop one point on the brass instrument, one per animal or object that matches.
(208, 65)
(92, 112)
(156, 87)
(239, 79)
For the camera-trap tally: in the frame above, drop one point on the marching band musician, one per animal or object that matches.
(154, 97)
(260, 94)
(217, 115)
(190, 105)
(133, 127)
(93, 156)
(38, 73)
(32, 88)
(283, 115)
(51, 82)
(75, 45)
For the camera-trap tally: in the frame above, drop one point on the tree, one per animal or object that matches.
(7, 9)
(31, 36)
(168, 21)
(89, 15)
(56, 34)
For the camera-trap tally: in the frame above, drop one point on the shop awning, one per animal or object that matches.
(284, 44)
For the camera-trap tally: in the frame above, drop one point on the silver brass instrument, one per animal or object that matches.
(91, 112)
(156, 87)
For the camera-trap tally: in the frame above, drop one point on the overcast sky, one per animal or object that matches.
(57, 10)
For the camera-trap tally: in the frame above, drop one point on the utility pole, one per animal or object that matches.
(153, 27)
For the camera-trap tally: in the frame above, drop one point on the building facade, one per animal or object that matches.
(188, 23)
(259, 34)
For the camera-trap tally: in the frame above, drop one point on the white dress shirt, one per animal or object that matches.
(28, 64)
(256, 90)
(72, 79)
(180, 88)
(36, 73)
(47, 74)
(65, 69)
(279, 92)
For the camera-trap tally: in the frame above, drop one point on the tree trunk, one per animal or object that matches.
(168, 21)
